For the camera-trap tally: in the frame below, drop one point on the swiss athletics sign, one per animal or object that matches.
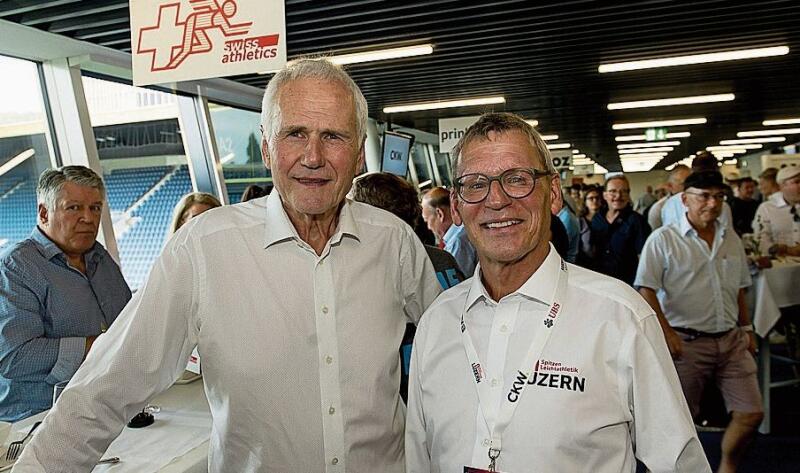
(176, 40)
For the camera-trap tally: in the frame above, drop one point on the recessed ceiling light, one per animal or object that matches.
(559, 146)
(642, 156)
(443, 104)
(577, 156)
(654, 149)
(533, 123)
(549, 137)
(766, 139)
(782, 121)
(730, 161)
(739, 146)
(576, 151)
(694, 59)
(679, 134)
(382, 54)
(782, 131)
(649, 144)
(659, 123)
(672, 101)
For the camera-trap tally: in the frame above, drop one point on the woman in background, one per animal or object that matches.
(190, 206)
(592, 204)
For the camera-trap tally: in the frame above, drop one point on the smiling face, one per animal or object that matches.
(74, 222)
(617, 194)
(502, 229)
(317, 151)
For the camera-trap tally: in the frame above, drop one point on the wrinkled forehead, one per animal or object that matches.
(499, 151)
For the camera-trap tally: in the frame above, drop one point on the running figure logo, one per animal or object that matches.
(170, 41)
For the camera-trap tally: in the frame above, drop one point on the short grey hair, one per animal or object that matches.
(51, 181)
(305, 68)
(501, 122)
(621, 177)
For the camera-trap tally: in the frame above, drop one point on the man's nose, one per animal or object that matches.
(497, 197)
(313, 156)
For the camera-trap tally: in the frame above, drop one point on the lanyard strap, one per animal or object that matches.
(524, 374)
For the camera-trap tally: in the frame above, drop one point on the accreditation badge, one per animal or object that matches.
(469, 469)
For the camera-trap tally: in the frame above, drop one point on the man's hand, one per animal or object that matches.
(674, 342)
(751, 342)
(89, 341)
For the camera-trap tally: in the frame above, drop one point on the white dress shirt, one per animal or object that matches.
(300, 352)
(697, 286)
(608, 391)
(774, 223)
(673, 210)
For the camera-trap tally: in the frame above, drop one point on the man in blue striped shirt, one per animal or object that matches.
(59, 289)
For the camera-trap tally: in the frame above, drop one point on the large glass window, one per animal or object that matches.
(24, 152)
(238, 137)
(144, 166)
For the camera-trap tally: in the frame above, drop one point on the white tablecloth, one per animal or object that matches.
(776, 287)
(176, 443)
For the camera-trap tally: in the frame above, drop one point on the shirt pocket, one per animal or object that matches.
(731, 272)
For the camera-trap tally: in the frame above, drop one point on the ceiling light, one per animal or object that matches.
(659, 123)
(549, 137)
(577, 156)
(16, 160)
(782, 121)
(642, 156)
(649, 144)
(576, 151)
(532, 123)
(679, 134)
(693, 59)
(730, 161)
(443, 104)
(740, 146)
(655, 149)
(673, 101)
(767, 139)
(783, 131)
(382, 54)
(559, 146)
(637, 166)
(723, 155)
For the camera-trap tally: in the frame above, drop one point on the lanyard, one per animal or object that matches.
(524, 374)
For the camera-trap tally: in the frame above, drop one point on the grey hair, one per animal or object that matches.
(501, 122)
(51, 181)
(303, 68)
(620, 176)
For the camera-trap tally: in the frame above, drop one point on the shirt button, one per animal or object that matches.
(324, 309)
(485, 442)
(335, 461)
(328, 359)
(494, 381)
(332, 411)
(504, 328)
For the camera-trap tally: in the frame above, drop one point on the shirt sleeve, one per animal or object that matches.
(25, 352)
(652, 262)
(762, 228)
(664, 435)
(418, 455)
(142, 354)
(417, 277)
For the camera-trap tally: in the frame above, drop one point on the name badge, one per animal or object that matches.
(469, 469)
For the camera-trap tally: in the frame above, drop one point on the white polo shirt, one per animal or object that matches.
(697, 286)
(774, 223)
(605, 381)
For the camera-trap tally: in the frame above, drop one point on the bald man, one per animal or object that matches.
(436, 213)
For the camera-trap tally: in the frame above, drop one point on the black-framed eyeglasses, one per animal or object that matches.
(517, 183)
(705, 196)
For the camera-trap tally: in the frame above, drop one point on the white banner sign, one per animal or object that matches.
(451, 130)
(562, 158)
(176, 40)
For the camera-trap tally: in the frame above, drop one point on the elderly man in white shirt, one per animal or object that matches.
(535, 364)
(694, 273)
(777, 221)
(297, 303)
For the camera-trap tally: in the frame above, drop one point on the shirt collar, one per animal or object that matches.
(686, 227)
(49, 249)
(280, 228)
(779, 200)
(451, 232)
(540, 287)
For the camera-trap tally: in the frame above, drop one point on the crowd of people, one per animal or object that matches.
(577, 329)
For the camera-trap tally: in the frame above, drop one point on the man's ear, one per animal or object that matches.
(684, 198)
(361, 158)
(265, 152)
(454, 214)
(43, 216)
(556, 200)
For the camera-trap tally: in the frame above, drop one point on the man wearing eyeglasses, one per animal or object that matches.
(693, 273)
(537, 364)
(618, 233)
(777, 220)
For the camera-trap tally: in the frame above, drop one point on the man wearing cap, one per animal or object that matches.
(777, 220)
(674, 208)
(701, 307)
